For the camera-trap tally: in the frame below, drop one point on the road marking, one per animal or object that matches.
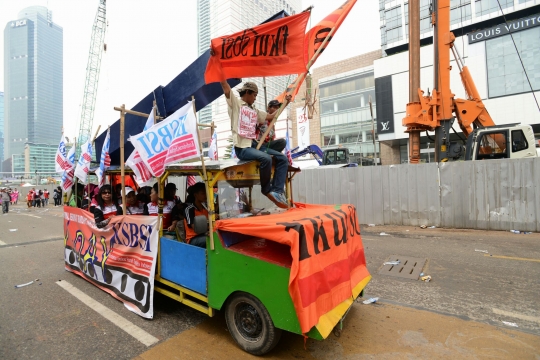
(110, 315)
(512, 258)
(517, 316)
(39, 217)
(2, 243)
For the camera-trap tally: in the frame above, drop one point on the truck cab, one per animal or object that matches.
(336, 156)
(511, 141)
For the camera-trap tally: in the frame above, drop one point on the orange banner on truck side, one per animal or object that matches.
(119, 259)
(271, 49)
(327, 252)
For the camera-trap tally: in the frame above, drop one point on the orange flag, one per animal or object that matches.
(271, 49)
(314, 39)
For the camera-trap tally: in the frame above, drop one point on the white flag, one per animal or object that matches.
(83, 165)
(60, 159)
(143, 176)
(172, 140)
(105, 160)
(212, 150)
(67, 176)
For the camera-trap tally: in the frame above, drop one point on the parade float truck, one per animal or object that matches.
(267, 270)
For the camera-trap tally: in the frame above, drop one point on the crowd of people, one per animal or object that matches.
(34, 197)
(178, 216)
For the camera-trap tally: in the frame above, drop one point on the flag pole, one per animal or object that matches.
(122, 165)
(66, 195)
(205, 178)
(310, 63)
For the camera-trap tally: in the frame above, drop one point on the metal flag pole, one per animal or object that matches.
(282, 107)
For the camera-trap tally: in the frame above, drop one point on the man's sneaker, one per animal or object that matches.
(278, 199)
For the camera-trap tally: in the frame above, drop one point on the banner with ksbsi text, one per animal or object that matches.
(175, 139)
(119, 259)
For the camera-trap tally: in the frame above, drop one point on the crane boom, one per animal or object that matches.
(92, 73)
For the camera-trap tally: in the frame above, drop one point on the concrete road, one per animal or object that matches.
(458, 314)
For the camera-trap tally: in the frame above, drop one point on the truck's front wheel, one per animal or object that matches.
(250, 324)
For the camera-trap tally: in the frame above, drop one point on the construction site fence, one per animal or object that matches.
(487, 195)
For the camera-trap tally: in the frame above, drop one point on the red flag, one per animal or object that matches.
(314, 39)
(190, 180)
(270, 49)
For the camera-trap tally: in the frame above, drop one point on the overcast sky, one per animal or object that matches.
(149, 42)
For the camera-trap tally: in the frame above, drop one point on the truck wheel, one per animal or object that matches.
(250, 324)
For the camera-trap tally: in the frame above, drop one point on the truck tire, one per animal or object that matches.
(250, 324)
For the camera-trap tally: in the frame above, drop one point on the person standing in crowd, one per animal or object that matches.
(30, 198)
(106, 208)
(42, 198)
(133, 205)
(270, 142)
(14, 197)
(37, 198)
(244, 118)
(57, 196)
(196, 205)
(76, 196)
(46, 195)
(5, 200)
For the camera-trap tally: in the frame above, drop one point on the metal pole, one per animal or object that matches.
(265, 98)
(373, 131)
(122, 166)
(414, 74)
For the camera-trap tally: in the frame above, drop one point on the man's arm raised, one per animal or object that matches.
(226, 88)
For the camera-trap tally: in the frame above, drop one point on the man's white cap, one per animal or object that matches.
(129, 189)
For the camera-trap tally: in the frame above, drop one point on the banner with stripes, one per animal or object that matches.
(118, 262)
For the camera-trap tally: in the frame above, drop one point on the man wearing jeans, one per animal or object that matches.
(244, 119)
(5, 198)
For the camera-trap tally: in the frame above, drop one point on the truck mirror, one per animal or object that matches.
(200, 224)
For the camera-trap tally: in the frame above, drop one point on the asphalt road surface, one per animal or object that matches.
(458, 314)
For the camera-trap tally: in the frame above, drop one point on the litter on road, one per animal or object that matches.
(12, 230)
(510, 323)
(426, 278)
(482, 251)
(370, 300)
(384, 234)
(392, 262)
(28, 283)
(520, 232)
(371, 224)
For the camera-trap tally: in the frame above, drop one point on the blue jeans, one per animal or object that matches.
(5, 207)
(199, 240)
(265, 164)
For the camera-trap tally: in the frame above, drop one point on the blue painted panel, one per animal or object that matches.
(183, 264)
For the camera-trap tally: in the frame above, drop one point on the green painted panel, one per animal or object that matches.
(229, 271)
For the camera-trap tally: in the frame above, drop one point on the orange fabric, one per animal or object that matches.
(270, 49)
(314, 39)
(316, 35)
(190, 234)
(327, 251)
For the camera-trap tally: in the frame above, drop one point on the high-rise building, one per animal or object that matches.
(500, 48)
(221, 17)
(1, 129)
(33, 80)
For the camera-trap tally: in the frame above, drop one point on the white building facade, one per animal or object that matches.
(222, 17)
(485, 41)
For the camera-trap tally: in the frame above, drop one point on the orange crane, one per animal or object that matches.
(437, 111)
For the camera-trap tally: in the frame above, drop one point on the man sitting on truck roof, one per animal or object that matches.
(244, 119)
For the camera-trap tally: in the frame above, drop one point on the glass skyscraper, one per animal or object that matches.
(1, 129)
(33, 73)
(216, 18)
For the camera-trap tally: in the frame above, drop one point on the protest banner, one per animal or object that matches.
(143, 177)
(120, 259)
(60, 164)
(319, 279)
(271, 49)
(174, 139)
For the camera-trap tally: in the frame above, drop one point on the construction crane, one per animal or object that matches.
(97, 46)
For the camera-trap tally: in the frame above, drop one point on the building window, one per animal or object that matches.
(484, 7)
(519, 141)
(394, 30)
(505, 73)
(460, 11)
